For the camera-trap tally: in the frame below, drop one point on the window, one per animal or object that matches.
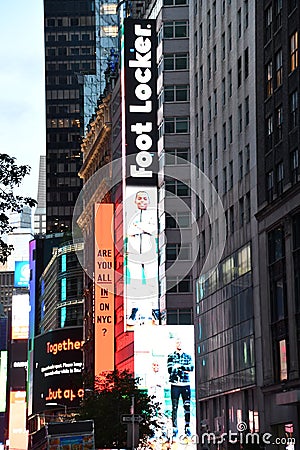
(247, 207)
(247, 111)
(270, 185)
(230, 130)
(230, 174)
(181, 251)
(224, 136)
(177, 156)
(214, 14)
(215, 58)
(208, 24)
(177, 125)
(279, 178)
(239, 71)
(201, 78)
(179, 316)
(268, 23)
(294, 166)
(247, 158)
(279, 69)
(223, 46)
(200, 35)
(294, 51)
(209, 152)
(231, 219)
(279, 123)
(175, 2)
(196, 85)
(246, 62)
(240, 118)
(246, 13)
(176, 29)
(239, 23)
(209, 66)
(176, 284)
(293, 110)
(195, 44)
(225, 180)
(269, 132)
(283, 368)
(229, 37)
(176, 93)
(223, 92)
(230, 83)
(178, 220)
(241, 167)
(216, 145)
(269, 79)
(177, 187)
(176, 61)
(209, 109)
(215, 103)
(276, 245)
(278, 11)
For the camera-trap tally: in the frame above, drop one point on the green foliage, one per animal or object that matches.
(11, 176)
(108, 401)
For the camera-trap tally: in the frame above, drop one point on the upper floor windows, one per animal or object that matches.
(176, 29)
(175, 2)
(294, 51)
(176, 93)
(269, 79)
(176, 61)
(268, 23)
(279, 69)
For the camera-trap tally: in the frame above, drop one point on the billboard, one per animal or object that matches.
(3, 380)
(20, 316)
(166, 369)
(58, 364)
(18, 436)
(18, 365)
(104, 287)
(141, 256)
(140, 101)
(22, 274)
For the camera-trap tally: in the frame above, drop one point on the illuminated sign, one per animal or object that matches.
(104, 288)
(165, 367)
(18, 436)
(20, 316)
(141, 256)
(18, 367)
(139, 97)
(3, 380)
(58, 368)
(22, 274)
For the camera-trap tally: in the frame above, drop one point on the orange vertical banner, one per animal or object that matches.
(104, 287)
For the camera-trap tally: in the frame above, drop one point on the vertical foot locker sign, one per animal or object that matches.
(104, 288)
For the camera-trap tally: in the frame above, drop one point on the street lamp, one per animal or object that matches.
(58, 404)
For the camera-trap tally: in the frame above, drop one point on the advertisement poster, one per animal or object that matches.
(141, 257)
(166, 368)
(22, 274)
(20, 316)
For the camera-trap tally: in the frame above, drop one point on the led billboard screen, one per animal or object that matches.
(3, 380)
(22, 274)
(104, 287)
(141, 256)
(139, 100)
(165, 367)
(18, 436)
(20, 316)
(18, 365)
(58, 368)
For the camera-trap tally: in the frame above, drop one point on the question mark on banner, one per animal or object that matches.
(104, 331)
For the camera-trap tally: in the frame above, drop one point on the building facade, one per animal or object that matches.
(277, 90)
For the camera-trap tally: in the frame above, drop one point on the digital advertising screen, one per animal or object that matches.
(140, 257)
(166, 369)
(58, 364)
(20, 316)
(3, 380)
(18, 436)
(18, 365)
(104, 287)
(22, 274)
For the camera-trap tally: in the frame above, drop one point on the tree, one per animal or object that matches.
(109, 400)
(11, 176)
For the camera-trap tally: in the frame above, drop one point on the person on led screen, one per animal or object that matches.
(179, 366)
(156, 385)
(141, 255)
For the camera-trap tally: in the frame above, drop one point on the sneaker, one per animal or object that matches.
(175, 433)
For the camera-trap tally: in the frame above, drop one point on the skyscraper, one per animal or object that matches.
(69, 55)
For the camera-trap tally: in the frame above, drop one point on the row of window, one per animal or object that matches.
(174, 29)
(173, 61)
(69, 51)
(277, 122)
(275, 178)
(64, 37)
(273, 16)
(174, 93)
(63, 123)
(53, 138)
(66, 108)
(175, 125)
(71, 21)
(274, 78)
